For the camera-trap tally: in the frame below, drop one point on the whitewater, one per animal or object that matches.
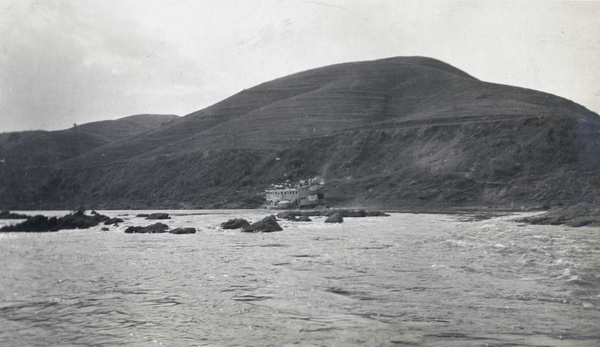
(402, 280)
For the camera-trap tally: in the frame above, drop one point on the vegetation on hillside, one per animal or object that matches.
(398, 133)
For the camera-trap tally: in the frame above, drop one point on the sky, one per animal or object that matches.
(77, 61)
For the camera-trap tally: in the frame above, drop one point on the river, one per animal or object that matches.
(403, 280)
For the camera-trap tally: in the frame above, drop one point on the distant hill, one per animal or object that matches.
(50, 147)
(398, 133)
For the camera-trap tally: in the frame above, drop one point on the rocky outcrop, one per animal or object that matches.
(150, 229)
(287, 216)
(348, 213)
(303, 219)
(180, 231)
(236, 223)
(335, 218)
(39, 223)
(355, 213)
(300, 218)
(297, 215)
(294, 217)
(580, 215)
(9, 215)
(266, 225)
(158, 216)
(113, 221)
(158, 228)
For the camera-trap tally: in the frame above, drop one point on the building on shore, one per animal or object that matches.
(304, 194)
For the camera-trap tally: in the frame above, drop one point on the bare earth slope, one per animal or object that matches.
(398, 133)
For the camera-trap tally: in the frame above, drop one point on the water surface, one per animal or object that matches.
(407, 279)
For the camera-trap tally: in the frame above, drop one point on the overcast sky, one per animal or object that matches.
(65, 62)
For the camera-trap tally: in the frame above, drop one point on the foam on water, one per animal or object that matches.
(406, 279)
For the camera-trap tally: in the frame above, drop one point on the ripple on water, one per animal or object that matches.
(411, 279)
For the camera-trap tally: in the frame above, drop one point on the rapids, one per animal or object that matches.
(407, 279)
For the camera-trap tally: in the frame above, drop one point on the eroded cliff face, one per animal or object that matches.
(397, 133)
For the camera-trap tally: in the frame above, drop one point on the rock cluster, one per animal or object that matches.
(336, 218)
(298, 215)
(583, 214)
(269, 224)
(181, 231)
(158, 215)
(236, 223)
(158, 228)
(294, 218)
(77, 220)
(150, 229)
(266, 225)
(302, 219)
(9, 215)
(113, 221)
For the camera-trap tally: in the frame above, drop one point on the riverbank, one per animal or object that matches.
(583, 214)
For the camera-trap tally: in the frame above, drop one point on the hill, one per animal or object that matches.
(398, 133)
(47, 147)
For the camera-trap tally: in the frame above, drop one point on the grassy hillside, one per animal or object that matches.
(397, 133)
(49, 147)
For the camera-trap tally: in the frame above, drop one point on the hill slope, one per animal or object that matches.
(407, 132)
(47, 147)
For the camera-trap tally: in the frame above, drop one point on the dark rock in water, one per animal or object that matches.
(104, 229)
(291, 215)
(150, 229)
(237, 223)
(113, 221)
(266, 225)
(296, 215)
(577, 223)
(303, 218)
(77, 220)
(142, 215)
(37, 223)
(356, 213)
(180, 231)
(336, 218)
(8, 215)
(347, 213)
(158, 216)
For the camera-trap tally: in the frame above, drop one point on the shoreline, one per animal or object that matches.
(466, 210)
(583, 214)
